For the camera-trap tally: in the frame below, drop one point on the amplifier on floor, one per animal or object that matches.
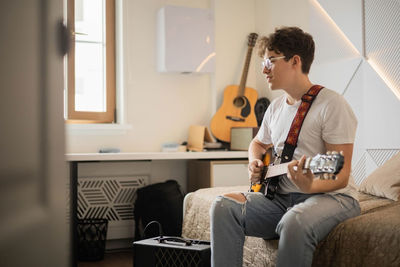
(171, 252)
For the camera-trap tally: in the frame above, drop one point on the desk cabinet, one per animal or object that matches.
(215, 173)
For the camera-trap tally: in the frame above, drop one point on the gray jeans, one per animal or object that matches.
(300, 221)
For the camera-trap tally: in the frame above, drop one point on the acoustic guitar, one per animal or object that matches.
(325, 166)
(237, 109)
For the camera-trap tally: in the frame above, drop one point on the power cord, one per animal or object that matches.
(162, 239)
(160, 233)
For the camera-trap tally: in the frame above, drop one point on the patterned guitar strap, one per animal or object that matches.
(293, 135)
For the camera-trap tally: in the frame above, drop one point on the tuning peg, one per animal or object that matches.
(341, 153)
(335, 154)
(328, 152)
(325, 176)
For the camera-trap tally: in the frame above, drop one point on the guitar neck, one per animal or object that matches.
(245, 72)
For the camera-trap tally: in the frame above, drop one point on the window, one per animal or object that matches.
(91, 78)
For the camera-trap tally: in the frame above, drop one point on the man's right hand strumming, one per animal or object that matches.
(255, 169)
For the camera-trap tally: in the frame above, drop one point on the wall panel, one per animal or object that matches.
(382, 34)
(370, 88)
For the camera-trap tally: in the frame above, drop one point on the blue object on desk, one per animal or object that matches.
(109, 150)
(170, 147)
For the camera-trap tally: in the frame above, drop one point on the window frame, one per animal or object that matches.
(85, 117)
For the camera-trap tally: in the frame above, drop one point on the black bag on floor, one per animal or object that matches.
(162, 202)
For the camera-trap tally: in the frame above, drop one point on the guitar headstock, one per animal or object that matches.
(252, 39)
(327, 166)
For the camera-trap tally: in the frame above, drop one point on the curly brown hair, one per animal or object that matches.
(289, 41)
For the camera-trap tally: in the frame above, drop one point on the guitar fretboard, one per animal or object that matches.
(243, 80)
(275, 170)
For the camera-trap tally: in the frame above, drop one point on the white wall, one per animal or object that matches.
(271, 14)
(234, 21)
(160, 107)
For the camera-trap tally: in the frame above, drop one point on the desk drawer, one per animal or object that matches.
(229, 173)
(214, 173)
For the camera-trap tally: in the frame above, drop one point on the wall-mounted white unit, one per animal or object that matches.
(185, 40)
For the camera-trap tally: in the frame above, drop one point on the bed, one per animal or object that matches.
(370, 239)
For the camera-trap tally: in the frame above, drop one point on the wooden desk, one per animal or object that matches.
(134, 156)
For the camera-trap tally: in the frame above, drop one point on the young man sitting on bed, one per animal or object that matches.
(305, 209)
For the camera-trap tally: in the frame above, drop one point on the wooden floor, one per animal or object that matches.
(111, 259)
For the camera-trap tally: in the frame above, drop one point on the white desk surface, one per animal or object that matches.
(155, 156)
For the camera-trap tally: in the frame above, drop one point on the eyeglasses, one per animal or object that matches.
(267, 62)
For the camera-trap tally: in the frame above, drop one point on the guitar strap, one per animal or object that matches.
(293, 135)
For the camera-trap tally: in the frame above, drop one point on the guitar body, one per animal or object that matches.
(270, 187)
(263, 185)
(235, 111)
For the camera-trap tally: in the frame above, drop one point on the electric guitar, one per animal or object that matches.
(237, 109)
(325, 166)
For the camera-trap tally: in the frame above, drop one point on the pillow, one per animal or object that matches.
(385, 180)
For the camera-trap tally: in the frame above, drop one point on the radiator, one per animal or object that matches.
(110, 198)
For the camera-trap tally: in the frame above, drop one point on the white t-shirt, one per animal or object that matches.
(329, 119)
